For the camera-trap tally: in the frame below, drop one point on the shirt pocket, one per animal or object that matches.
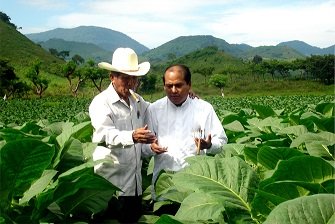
(123, 123)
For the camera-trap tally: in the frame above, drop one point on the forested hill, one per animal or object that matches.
(85, 50)
(19, 50)
(80, 40)
(307, 49)
(186, 44)
(106, 39)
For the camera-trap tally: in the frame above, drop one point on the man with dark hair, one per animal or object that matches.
(183, 127)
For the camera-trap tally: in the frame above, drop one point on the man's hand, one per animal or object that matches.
(156, 148)
(202, 143)
(143, 135)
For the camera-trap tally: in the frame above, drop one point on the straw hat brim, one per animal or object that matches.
(143, 68)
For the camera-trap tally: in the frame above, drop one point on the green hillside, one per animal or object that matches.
(186, 44)
(105, 38)
(307, 49)
(19, 50)
(272, 52)
(85, 50)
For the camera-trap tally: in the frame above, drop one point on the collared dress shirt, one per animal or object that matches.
(177, 126)
(113, 122)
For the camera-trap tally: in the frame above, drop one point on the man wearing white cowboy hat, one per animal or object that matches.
(118, 121)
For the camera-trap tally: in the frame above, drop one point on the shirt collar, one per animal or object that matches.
(113, 96)
(186, 102)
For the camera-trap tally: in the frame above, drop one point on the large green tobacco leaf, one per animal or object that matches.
(313, 209)
(293, 178)
(226, 182)
(80, 131)
(11, 134)
(22, 162)
(269, 157)
(201, 206)
(327, 109)
(316, 143)
(264, 111)
(306, 171)
(77, 191)
(90, 195)
(234, 126)
(295, 130)
(39, 186)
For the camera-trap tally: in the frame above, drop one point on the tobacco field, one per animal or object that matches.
(278, 166)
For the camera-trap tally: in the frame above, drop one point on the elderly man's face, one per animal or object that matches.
(122, 83)
(176, 87)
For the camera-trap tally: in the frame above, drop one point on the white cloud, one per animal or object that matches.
(269, 26)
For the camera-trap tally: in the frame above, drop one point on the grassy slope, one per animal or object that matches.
(19, 49)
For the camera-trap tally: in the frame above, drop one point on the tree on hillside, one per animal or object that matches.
(9, 82)
(283, 68)
(321, 67)
(205, 71)
(257, 70)
(300, 65)
(59, 54)
(6, 19)
(148, 83)
(33, 74)
(53, 51)
(270, 67)
(78, 59)
(63, 54)
(95, 74)
(257, 59)
(219, 81)
(69, 73)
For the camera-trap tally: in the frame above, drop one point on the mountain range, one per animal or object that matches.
(98, 43)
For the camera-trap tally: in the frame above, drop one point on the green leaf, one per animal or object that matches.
(201, 207)
(229, 180)
(91, 196)
(167, 219)
(313, 209)
(269, 157)
(263, 111)
(79, 131)
(234, 126)
(316, 143)
(295, 130)
(77, 191)
(293, 178)
(22, 162)
(303, 169)
(39, 186)
(327, 109)
(312, 137)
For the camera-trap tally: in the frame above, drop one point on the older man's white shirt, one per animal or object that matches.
(114, 121)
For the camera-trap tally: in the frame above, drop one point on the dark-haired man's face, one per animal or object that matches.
(176, 87)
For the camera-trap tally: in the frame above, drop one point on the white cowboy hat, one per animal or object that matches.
(125, 61)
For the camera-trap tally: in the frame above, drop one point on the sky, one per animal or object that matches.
(155, 22)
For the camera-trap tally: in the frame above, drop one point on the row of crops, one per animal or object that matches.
(277, 168)
(19, 111)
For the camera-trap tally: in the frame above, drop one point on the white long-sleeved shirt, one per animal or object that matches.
(113, 122)
(176, 128)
